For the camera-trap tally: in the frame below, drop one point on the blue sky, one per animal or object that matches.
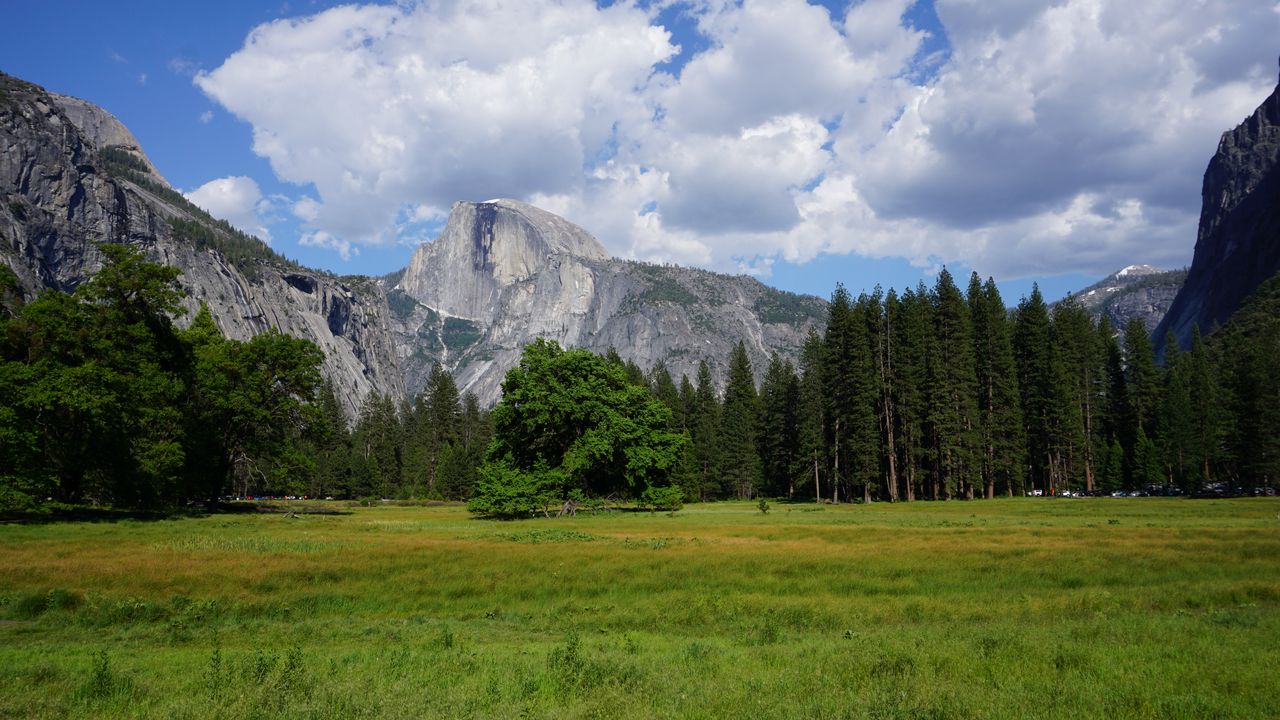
(863, 143)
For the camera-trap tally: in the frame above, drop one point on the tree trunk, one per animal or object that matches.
(817, 487)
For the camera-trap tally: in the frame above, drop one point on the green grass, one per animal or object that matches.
(1025, 608)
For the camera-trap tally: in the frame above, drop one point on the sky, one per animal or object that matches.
(869, 142)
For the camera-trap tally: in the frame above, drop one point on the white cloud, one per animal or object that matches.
(1064, 135)
(322, 239)
(381, 107)
(206, 116)
(237, 200)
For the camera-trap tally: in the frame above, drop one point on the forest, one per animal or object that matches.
(935, 393)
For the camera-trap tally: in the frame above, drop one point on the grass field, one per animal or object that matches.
(1023, 608)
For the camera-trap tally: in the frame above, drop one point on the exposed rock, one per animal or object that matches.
(501, 274)
(1140, 291)
(61, 199)
(1238, 244)
(504, 273)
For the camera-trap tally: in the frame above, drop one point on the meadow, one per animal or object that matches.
(1018, 608)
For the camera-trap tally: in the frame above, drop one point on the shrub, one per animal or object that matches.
(663, 497)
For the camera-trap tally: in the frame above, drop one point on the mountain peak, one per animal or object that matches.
(488, 246)
(1133, 271)
(559, 236)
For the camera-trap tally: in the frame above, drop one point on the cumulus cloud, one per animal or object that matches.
(1052, 136)
(237, 200)
(322, 239)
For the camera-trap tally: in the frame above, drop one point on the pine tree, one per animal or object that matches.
(911, 356)
(810, 417)
(999, 403)
(704, 418)
(881, 318)
(664, 389)
(378, 445)
(1072, 371)
(1032, 353)
(1207, 412)
(1176, 425)
(441, 421)
(780, 431)
(851, 397)
(740, 428)
(1142, 377)
(1142, 397)
(953, 412)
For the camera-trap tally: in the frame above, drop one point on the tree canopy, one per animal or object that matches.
(573, 425)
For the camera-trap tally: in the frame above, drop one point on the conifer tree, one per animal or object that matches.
(881, 318)
(704, 419)
(740, 428)
(1072, 372)
(1142, 377)
(810, 459)
(1207, 413)
(441, 421)
(953, 412)
(911, 356)
(850, 390)
(1176, 425)
(999, 403)
(1032, 353)
(780, 431)
(664, 389)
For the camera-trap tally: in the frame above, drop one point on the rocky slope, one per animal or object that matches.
(1238, 244)
(501, 274)
(72, 176)
(1137, 291)
(504, 273)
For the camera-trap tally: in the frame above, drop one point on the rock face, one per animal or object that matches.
(1137, 291)
(504, 273)
(71, 177)
(1238, 244)
(501, 274)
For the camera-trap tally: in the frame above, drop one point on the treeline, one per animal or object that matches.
(429, 448)
(105, 401)
(941, 393)
(932, 394)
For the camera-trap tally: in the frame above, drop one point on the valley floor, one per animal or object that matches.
(1019, 608)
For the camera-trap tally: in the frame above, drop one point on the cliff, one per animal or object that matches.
(72, 177)
(1238, 243)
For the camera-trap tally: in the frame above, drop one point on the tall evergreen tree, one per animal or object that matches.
(739, 457)
(881, 318)
(953, 411)
(999, 403)
(1208, 430)
(664, 389)
(911, 357)
(851, 397)
(1073, 369)
(441, 424)
(1033, 355)
(704, 418)
(780, 430)
(1174, 420)
(810, 413)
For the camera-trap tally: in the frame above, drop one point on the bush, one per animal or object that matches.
(665, 497)
(506, 492)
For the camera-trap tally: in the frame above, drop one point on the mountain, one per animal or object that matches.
(1140, 291)
(1238, 243)
(501, 274)
(72, 176)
